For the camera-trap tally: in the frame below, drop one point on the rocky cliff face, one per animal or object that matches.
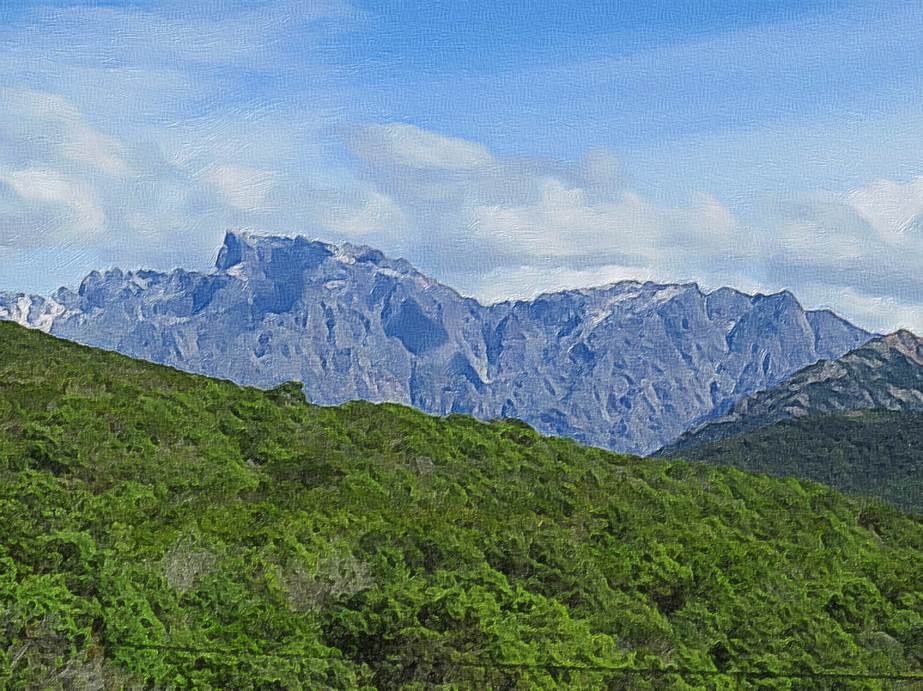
(885, 373)
(628, 366)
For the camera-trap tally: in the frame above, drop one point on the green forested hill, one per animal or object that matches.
(872, 452)
(166, 530)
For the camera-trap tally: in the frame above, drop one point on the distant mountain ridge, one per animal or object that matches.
(885, 373)
(629, 366)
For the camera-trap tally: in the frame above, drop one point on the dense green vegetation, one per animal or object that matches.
(873, 452)
(166, 530)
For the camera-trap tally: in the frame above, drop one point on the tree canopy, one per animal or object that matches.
(168, 530)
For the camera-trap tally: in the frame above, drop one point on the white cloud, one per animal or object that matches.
(407, 145)
(522, 212)
(543, 225)
(566, 222)
(177, 33)
(894, 210)
(527, 282)
(242, 187)
(36, 117)
(877, 312)
(858, 254)
(78, 209)
(563, 223)
(373, 213)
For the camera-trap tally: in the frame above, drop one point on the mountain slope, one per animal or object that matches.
(886, 373)
(161, 529)
(871, 452)
(628, 366)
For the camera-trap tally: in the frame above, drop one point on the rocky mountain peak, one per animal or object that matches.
(904, 342)
(246, 255)
(245, 251)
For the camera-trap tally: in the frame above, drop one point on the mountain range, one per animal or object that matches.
(628, 366)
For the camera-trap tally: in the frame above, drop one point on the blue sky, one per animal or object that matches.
(504, 148)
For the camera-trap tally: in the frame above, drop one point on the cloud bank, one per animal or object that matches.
(545, 225)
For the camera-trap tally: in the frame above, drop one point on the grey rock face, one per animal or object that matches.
(885, 373)
(628, 366)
